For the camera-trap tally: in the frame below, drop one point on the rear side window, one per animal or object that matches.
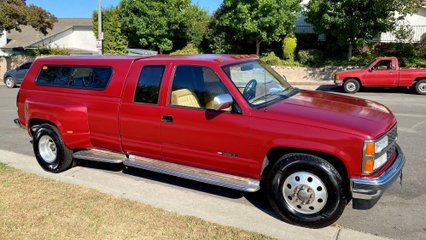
(148, 88)
(83, 77)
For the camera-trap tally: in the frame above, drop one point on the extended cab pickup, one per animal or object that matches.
(382, 72)
(227, 120)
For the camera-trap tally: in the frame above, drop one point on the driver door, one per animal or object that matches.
(382, 74)
(195, 135)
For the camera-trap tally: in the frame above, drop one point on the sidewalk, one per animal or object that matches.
(215, 205)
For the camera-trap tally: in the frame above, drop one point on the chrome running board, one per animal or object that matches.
(196, 174)
(100, 156)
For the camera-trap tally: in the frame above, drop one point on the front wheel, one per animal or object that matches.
(50, 150)
(10, 82)
(351, 86)
(421, 87)
(306, 190)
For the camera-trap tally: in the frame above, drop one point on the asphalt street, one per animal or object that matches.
(400, 214)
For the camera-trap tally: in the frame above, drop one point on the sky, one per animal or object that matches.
(84, 8)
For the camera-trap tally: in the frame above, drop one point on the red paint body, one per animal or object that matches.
(392, 77)
(310, 121)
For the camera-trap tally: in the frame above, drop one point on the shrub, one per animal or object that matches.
(188, 49)
(271, 59)
(48, 51)
(289, 46)
(312, 57)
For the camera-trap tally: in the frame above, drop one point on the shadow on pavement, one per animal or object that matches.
(257, 199)
(333, 88)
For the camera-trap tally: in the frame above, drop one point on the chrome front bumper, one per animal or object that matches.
(367, 191)
(338, 82)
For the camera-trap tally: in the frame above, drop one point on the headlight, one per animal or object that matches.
(374, 157)
(382, 144)
(336, 77)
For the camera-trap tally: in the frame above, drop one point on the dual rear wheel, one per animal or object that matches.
(50, 150)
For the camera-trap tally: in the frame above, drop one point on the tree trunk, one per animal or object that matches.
(350, 52)
(161, 51)
(258, 47)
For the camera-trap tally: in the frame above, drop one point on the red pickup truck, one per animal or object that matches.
(227, 120)
(382, 72)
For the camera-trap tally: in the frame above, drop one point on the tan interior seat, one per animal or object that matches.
(184, 97)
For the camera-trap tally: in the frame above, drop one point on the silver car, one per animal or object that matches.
(15, 76)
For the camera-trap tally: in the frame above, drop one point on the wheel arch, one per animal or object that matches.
(418, 79)
(353, 78)
(275, 153)
(34, 122)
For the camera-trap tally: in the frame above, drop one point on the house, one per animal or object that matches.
(75, 34)
(417, 22)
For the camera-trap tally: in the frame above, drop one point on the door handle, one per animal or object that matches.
(167, 118)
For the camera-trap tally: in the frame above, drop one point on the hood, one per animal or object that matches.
(351, 72)
(365, 118)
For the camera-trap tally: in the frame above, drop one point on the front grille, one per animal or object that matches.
(392, 136)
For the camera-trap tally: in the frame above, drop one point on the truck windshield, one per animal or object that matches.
(258, 83)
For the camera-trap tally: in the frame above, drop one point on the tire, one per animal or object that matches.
(421, 87)
(351, 86)
(50, 150)
(305, 190)
(10, 82)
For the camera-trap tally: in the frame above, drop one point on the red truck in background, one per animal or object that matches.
(382, 72)
(227, 120)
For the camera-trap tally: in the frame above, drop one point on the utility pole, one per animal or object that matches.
(100, 33)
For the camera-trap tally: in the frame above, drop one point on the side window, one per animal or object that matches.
(149, 83)
(25, 66)
(92, 78)
(195, 86)
(383, 65)
(54, 76)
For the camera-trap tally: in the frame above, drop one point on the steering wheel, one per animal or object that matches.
(250, 89)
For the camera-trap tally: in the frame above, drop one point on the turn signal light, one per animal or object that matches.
(370, 149)
(369, 166)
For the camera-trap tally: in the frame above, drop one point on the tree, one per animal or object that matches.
(14, 13)
(258, 21)
(155, 24)
(197, 20)
(115, 42)
(355, 22)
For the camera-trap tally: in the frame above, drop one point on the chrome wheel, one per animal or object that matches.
(47, 149)
(350, 87)
(9, 82)
(422, 87)
(305, 192)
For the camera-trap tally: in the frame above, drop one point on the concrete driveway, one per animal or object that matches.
(401, 213)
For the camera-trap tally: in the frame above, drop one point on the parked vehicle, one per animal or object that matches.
(15, 76)
(227, 120)
(382, 72)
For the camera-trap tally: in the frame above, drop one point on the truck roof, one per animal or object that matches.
(220, 59)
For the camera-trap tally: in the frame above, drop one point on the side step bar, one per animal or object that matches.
(100, 156)
(196, 174)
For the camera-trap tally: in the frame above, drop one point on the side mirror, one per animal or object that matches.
(222, 101)
(370, 70)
